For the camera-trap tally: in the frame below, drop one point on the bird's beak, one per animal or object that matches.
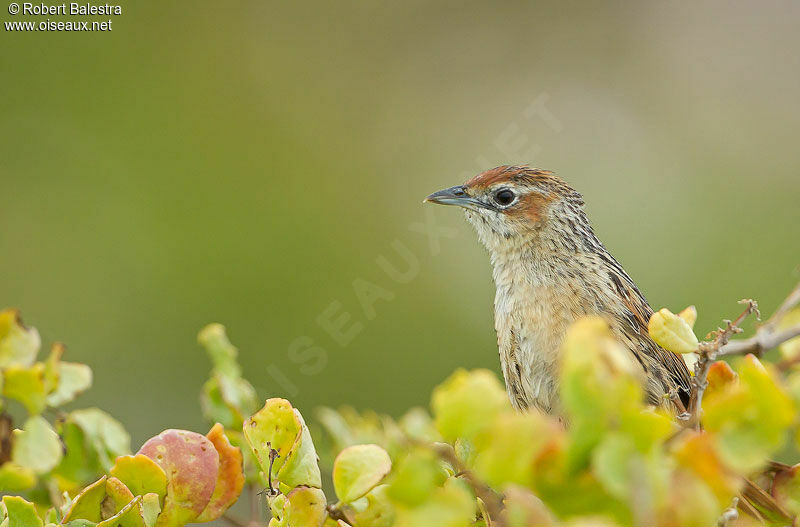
(454, 196)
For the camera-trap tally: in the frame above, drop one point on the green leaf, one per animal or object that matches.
(358, 469)
(18, 344)
(467, 402)
(219, 348)
(227, 397)
(151, 507)
(21, 513)
(749, 419)
(73, 379)
(88, 504)
(79, 523)
(526, 435)
(129, 515)
(302, 463)
(304, 507)
(600, 385)
(191, 464)
(80, 462)
(120, 507)
(452, 505)
(417, 424)
(415, 477)
(16, 478)
(376, 509)
(612, 464)
(26, 385)
(51, 367)
(104, 433)
(36, 446)
(280, 427)
(141, 474)
(672, 332)
(215, 408)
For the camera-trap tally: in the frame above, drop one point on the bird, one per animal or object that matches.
(549, 270)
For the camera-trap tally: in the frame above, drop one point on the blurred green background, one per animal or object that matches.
(245, 163)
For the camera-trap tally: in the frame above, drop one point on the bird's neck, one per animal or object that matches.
(553, 255)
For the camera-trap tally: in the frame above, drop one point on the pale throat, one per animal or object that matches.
(541, 289)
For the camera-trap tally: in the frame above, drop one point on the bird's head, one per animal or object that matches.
(507, 203)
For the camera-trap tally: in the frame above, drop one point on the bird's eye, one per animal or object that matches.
(504, 196)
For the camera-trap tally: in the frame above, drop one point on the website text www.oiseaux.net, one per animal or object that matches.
(64, 10)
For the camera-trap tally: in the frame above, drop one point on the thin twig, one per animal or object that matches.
(335, 513)
(764, 340)
(768, 336)
(788, 303)
(708, 352)
(492, 502)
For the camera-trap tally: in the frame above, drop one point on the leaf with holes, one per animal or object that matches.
(280, 427)
(191, 464)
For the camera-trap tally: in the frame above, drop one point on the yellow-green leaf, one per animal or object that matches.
(18, 345)
(26, 385)
(376, 509)
(280, 427)
(415, 477)
(749, 418)
(16, 478)
(141, 474)
(151, 507)
(128, 516)
(51, 367)
(305, 507)
(358, 469)
(672, 332)
(20, 513)
(88, 504)
(73, 379)
(274, 427)
(36, 446)
(452, 505)
(689, 314)
(526, 435)
(106, 435)
(467, 402)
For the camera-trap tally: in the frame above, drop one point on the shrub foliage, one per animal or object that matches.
(610, 460)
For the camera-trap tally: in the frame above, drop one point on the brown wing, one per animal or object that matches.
(674, 366)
